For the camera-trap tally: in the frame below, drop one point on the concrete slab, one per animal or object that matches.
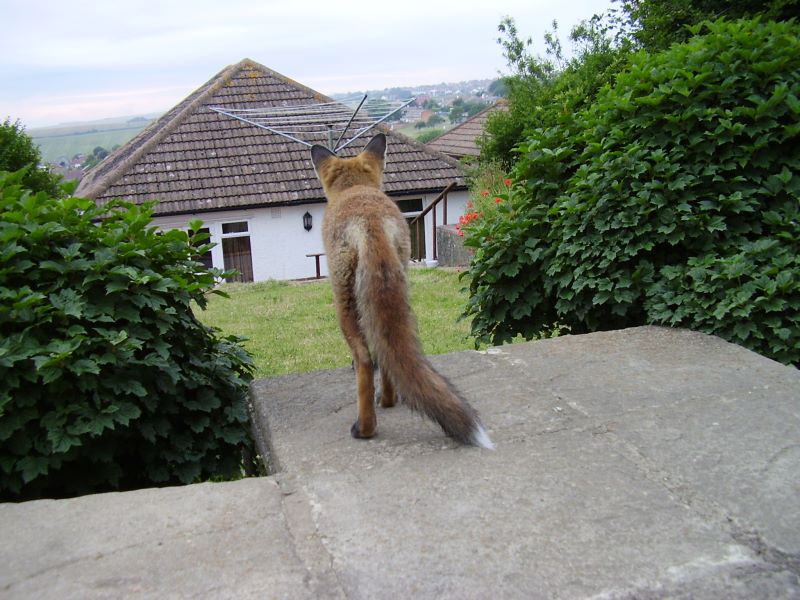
(211, 540)
(719, 423)
(645, 463)
(639, 463)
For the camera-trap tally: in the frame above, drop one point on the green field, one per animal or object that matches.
(411, 131)
(65, 141)
(292, 328)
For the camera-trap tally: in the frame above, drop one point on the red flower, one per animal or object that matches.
(485, 193)
(507, 182)
(497, 200)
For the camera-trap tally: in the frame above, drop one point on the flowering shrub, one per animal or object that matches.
(485, 203)
(466, 219)
(673, 199)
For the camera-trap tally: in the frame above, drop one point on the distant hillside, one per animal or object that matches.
(62, 142)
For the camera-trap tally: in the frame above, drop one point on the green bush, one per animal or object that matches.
(672, 199)
(107, 379)
(544, 89)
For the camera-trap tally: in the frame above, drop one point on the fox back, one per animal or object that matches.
(368, 246)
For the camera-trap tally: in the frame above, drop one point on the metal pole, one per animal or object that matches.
(355, 112)
(270, 129)
(375, 123)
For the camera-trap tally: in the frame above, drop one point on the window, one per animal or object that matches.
(236, 252)
(204, 258)
(238, 227)
(410, 206)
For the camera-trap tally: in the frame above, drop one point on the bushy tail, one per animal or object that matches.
(390, 328)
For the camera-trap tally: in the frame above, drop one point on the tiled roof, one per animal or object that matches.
(462, 139)
(194, 159)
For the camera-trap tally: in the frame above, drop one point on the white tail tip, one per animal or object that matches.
(481, 438)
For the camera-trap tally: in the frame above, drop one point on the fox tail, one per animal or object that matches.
(389, 326)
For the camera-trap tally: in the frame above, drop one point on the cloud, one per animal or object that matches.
(81, 59)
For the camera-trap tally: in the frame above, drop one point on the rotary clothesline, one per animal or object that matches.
(314, 120)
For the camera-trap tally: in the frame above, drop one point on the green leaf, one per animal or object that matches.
(69, 302)
(32, 467)
(83, 366)
(130, 386)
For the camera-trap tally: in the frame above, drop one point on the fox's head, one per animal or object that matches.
(338, 174)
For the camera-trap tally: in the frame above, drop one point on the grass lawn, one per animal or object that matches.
(292, 328)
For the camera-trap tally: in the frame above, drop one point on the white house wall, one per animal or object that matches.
(278, 241)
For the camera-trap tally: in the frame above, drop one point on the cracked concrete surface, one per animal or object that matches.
(200, 541)
(644, 463)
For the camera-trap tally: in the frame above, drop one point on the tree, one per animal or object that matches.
(544, 89)
(457, 111)
(656, 24)
(97, 155)
(498, 88)
(18, 151)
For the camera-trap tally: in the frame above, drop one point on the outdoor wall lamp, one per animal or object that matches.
(307, 221)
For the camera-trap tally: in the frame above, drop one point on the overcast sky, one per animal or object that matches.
(75, 60)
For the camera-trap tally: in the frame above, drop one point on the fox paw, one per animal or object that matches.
(356, 432)
(385, 400)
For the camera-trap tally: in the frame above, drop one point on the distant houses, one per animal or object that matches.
(255, 190)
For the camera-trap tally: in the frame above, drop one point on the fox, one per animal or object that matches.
(368, 247)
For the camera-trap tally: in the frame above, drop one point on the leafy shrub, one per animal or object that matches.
(107, 379)
(543, 90)
(672, 199)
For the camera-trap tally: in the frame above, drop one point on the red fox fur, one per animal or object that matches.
(368, 247)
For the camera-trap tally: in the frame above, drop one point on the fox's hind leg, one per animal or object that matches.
(388, 393)
(366, 424)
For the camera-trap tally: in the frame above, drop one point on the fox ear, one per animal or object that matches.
(377, 146)
(319, 154)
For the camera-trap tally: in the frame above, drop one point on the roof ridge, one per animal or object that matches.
(469, 121)
(100, 178)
